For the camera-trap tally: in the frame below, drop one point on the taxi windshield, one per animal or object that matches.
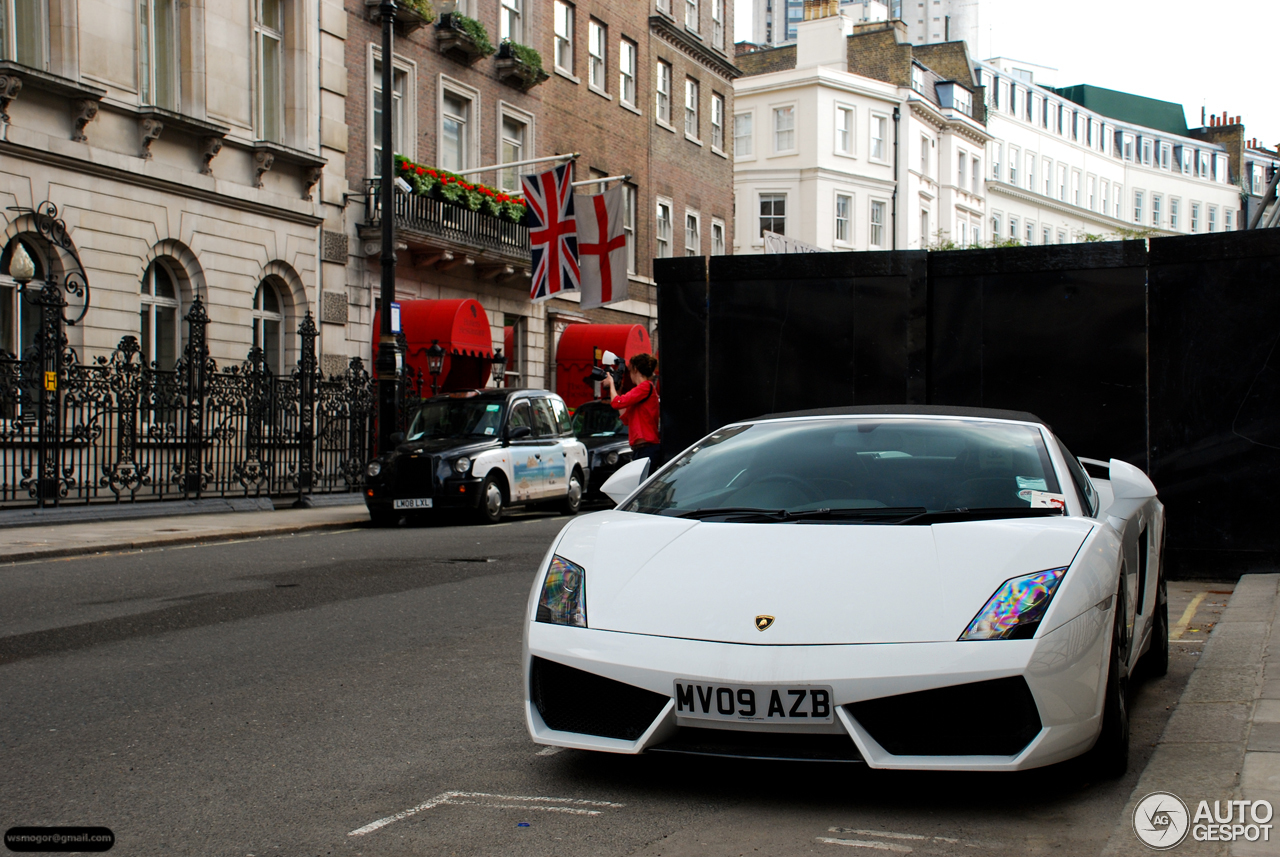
(597, 419)
(456, 418)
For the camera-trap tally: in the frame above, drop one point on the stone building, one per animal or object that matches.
(637, 90)
(185, 147)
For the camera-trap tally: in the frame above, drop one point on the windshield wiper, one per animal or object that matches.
(717, 511)
(988, 514)
(772, 516)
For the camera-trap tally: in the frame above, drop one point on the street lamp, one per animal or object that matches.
(435, 363)
(21, 268)
(499, 368)
(385, 366)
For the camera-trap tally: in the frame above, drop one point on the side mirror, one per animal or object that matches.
(517, 432)
(397, 437)
(626, 480)
(1130, 483)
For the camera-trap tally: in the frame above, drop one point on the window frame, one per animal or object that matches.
(662, 94)
(148, 55)
(879, 122)
(695, 217)
(847, 220)
(773, 216)
(269, 119)
(508, 11)
(775, 112)
(562, 43)
(628, 86)
(717, 122)
(719, 237)
(507, 111)
(406, 133)
(876, 224)
(149, 302)
(597, 64)
(693, 109)
(471, 142)
(849, 114)
(660, 242)
(750, 153)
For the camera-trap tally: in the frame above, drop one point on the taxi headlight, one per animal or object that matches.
(564, 594)
(374, 468)
(611, 459)
(462, 465)
(1015, 611)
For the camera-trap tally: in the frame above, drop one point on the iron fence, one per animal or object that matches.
(119, 430)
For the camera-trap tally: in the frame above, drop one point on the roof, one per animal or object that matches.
(1127, 107)
(910, 411)
(495, 393)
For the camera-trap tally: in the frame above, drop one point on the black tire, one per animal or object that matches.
(384, 518)
(572, 501)
(1109, 758)
(1156, 660)
(493, 500)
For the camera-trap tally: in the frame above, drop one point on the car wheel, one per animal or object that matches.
(384, 517)
(1109, 757)
(1156, 660)
(572, 501)
(492, 500)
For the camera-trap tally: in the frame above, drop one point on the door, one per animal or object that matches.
(527, 481)
(550, 454)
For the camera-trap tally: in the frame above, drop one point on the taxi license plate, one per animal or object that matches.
(413, 504)
(769, 703)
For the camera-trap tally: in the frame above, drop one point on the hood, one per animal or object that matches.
(617, 443)
(443, 445)
(823, 583)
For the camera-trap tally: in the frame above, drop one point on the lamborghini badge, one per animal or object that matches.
(763, 623)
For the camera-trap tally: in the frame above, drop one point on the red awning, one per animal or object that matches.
(575, 354)
(460, 326)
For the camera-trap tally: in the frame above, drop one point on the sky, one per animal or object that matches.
(1191, 53)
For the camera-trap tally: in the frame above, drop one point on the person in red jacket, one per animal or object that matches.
(638, 409)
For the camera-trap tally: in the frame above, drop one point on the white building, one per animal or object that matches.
(850, 161)
(774, 22)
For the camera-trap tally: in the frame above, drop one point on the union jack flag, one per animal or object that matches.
(553, 232)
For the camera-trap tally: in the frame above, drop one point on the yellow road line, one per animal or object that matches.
(1187, 615)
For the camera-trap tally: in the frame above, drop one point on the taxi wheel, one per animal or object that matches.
(573, 499)
(492, 500)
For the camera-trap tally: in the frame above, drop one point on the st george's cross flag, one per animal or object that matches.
(602, 247)
(553, 237)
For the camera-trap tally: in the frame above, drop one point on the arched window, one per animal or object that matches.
(160, 336)
(268, 318)
(19, 316)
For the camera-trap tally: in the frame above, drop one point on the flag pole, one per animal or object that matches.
(573, 156)
(604, 180)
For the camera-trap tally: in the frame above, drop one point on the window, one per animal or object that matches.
(1062, 182)
(917, 78)
(1204, 165)
(514, 137)
(717, 24)
(158, 326)
(1048, 177)
(1228, 220)
(1062, 236)
(1031, 232)
(1165, 151)
(773, 213)
(1195, 217)
(924, 227)
(962, 232)
(717, 237)
(1128, 148)
(158, 53)
(975, 175)
(663, 91)
(1173, 213)
(1213, 218)
(268, 33)
(627, 72)
(784, 129)
(742, 134)
(717, 121)
(1146, 151)
(1015, 155)
(844, 211)
(455, 135)
(1046, 235)
(995, 161)
(1031, 171)
(691, 15)
(844, 130)
(1104, 195)
(691, 107)
(1137, 206)
(564, 36)
(1075, 187)
(399, 84)
(19, 316)
(629, 224)
(510, 25)
(878, 125)
(1093, 193)
(268, 317)
(1118, 195)
(962, 160)
(664, 6)
(1156, 201)
(995, 224)
(877, 224)
(1013, 228)
(597, 38)
(664, 229)
(924, 155)
(692, 234)
(25, 32)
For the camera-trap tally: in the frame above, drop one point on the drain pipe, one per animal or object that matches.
(893, 218)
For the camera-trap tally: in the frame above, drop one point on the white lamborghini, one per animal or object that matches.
(915, 588)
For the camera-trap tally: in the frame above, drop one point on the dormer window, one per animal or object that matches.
(917, 78)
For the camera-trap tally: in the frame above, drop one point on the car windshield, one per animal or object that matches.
(456, 418)
(828, 468)
(597, 419)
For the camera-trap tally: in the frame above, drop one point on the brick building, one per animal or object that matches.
(630, 87)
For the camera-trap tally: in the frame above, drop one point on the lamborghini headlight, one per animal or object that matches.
(1015, 611)
(564, 594)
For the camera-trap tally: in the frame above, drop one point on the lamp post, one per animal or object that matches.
(385, 366)
(499, 368)
(435, 363)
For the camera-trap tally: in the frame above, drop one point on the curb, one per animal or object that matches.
(1207, 744)
(185, 539)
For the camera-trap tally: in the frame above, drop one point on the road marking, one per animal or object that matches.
(1187, 615)
(892, 834)
(575, 806)
(860, 843)
(550, 751)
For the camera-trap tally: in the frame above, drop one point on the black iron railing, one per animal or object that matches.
(451, 223)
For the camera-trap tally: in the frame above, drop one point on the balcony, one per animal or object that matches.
(445, 234)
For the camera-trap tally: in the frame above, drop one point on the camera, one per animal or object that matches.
(613, 366)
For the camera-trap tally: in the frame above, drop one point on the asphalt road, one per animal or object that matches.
(270, 697)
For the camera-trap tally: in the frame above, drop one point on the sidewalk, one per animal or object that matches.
(1223, 741)
(95, 535)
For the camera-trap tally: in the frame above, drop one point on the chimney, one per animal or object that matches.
(1224, 117)
(814, 9)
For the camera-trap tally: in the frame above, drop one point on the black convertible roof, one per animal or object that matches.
(909, 411)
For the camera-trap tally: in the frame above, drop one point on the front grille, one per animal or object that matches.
(571, 700)
(760, 745)
(415, 476)
(986, 718)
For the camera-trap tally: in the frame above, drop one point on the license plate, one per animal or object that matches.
(773, 703)
(413, 504)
